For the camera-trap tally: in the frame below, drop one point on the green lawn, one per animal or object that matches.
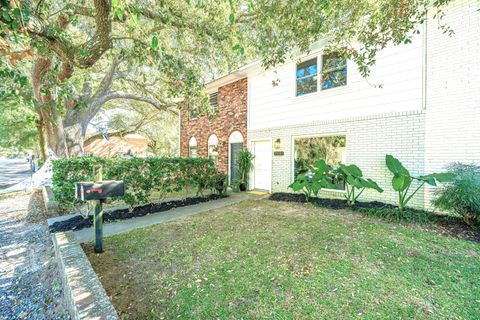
(272, 260)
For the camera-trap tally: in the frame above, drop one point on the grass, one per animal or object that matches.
(273, 260)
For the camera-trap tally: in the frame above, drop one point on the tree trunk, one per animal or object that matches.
(41, 140)
(46, 110)
(75, 136)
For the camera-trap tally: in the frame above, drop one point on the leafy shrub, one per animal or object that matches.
(402, 180)
(142, 176)
(311, 183)
(462, 194)
(220, 183)
(353, 177)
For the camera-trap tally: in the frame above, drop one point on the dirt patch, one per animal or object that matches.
(440, 224)
(78, 222)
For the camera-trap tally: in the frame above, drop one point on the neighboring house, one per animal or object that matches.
(421, 104)
(117, 146)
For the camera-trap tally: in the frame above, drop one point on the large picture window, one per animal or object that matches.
(308, 150)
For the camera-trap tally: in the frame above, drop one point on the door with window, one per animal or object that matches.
(235, 148)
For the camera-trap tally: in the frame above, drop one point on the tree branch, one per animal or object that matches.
(161, 106)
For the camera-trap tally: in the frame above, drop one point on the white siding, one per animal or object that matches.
(399, 70)
(453, 89)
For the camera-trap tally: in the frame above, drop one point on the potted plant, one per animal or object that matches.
(245, 164)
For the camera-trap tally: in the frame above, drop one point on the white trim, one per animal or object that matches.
(251, 183)
(315, 135)
(229, 154)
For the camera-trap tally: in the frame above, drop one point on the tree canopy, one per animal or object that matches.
(85, 53)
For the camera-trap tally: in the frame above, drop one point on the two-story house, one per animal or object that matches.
(421, 104)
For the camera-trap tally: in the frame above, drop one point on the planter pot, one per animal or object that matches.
(243, 187)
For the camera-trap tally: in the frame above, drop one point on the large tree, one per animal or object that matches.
(178, 43)
(160, 49)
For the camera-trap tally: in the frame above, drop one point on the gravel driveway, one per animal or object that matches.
(30, 286)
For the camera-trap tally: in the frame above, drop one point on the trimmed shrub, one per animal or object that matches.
(462, 195)
(142, 176)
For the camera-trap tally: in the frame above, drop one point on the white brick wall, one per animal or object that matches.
(453, 89)
(369, 139)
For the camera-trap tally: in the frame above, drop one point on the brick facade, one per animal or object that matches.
(231, 116)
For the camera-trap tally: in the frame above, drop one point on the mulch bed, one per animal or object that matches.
(444, 225)
(78, 222)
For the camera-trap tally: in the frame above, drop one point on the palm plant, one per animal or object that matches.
(245, 164)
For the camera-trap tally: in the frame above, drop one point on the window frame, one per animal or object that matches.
(315, 75)
(319, 57)
(191, 146)
(316, 135)
(322, 72)
(212, 108)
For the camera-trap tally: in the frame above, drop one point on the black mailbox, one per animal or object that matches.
(99, 190)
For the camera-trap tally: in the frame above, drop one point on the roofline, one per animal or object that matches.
(233, 76)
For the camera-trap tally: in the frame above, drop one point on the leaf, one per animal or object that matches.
(374, 185)
(231, 18)
(114, 3)
(154, 42)
(353, 170)
(401, 182)
(119, 13)
(321, 166)
(395, 166)
(443, 176)
(440, 177)
(238, 48)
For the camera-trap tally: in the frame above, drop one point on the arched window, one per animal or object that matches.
(192, 147)
(235, 137)
(213, 147)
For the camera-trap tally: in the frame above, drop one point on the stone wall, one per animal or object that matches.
(231, 116)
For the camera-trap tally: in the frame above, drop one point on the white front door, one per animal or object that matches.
(262, 165)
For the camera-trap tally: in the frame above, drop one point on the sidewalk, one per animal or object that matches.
(86, 235)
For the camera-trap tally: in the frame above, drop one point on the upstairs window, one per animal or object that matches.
(307, 77)
(334, 71)
(214, 102)
(333, 74)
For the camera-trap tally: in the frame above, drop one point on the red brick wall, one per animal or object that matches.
(231, 116)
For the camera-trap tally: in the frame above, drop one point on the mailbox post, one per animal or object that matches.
(98, 192)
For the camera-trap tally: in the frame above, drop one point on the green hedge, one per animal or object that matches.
(142, 176)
